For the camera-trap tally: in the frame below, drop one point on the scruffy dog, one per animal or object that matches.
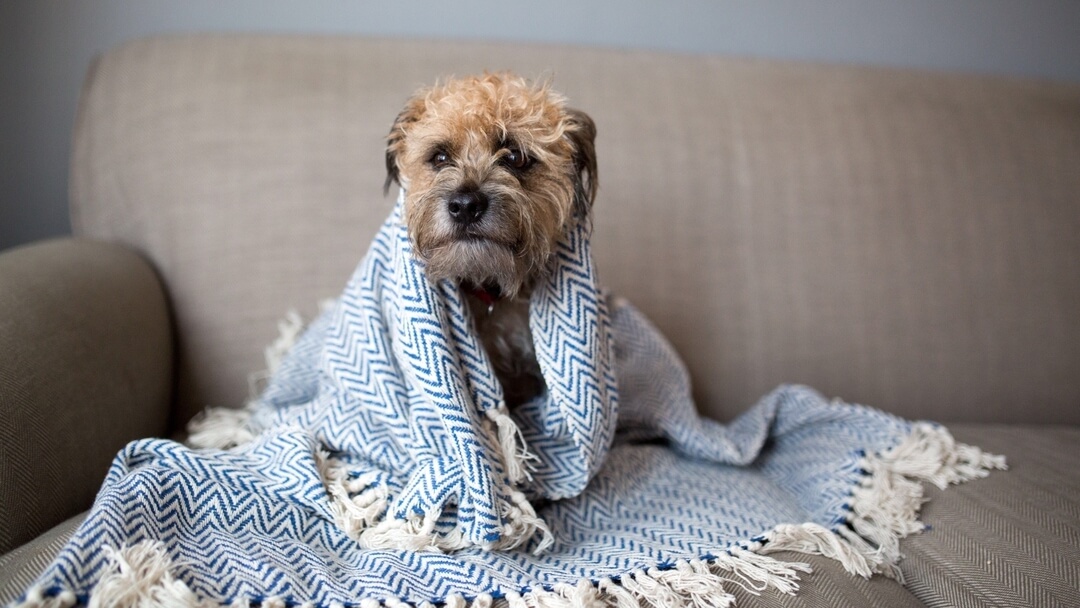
(493, 168)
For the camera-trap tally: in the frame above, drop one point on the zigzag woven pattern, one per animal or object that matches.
(390, 398)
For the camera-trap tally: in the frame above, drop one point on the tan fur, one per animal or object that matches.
(476, 122)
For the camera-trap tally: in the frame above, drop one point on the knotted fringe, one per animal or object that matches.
(515, 453)
(134, 576)
(419, 534)
(139, 576)
(884, 509)
(358, 503)
(221, 428)
(885, 505)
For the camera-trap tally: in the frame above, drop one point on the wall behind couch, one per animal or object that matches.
(46, 46)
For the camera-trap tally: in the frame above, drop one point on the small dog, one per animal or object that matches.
(493, 168)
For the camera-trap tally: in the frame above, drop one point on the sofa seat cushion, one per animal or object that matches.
(19, 568)
(1009, 540)
(1012, 539)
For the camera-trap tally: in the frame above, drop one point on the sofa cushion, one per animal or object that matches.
(1012, 539)
(19, 568)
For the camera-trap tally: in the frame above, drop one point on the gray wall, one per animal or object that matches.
(46, 45)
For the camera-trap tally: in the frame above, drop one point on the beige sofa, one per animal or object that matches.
(906, 240)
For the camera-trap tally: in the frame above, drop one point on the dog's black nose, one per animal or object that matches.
(467, 207)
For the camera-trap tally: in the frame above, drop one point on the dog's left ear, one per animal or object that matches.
(395, 141)
(581, 131)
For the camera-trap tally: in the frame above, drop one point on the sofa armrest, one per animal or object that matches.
(86, 365)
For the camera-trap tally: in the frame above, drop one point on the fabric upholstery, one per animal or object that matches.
(901, 239)
(85, 366)
(1008, 540)
(19, 568)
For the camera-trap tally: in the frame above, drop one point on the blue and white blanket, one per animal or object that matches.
(381, 465)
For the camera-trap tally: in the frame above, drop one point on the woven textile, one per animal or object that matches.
(380, 464)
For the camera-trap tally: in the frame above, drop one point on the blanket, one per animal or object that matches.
(380, 465)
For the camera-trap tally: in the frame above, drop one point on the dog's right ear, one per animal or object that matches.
(395, 141)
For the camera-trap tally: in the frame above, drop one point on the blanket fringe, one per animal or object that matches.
(358, 503)
(407, 535)
(36, 598)
(139, 575)
(885, 506)
(812, 539)
(221, 428)
(523, 524)
(289, 330)
(697, 583)
(515, 452)
(419, 534)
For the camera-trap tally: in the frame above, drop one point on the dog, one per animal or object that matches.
(493, 167)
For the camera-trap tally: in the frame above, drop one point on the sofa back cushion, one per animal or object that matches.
(907, 240)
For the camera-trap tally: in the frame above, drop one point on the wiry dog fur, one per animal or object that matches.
(514, 146)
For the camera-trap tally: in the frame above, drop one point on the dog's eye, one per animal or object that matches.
(439, 160)
(516, 159)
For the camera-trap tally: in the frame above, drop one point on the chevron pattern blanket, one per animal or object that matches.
(380, 466)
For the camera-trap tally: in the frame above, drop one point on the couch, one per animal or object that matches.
(903, 239)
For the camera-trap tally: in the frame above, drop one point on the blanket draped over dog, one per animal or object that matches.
(381, 465)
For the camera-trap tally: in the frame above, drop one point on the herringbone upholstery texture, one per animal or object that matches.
(20, 567)
(1010, 540)
(85, 366)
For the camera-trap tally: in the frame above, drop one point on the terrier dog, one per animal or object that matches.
(493, 168)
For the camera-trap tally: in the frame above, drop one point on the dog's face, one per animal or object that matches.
(493, 167)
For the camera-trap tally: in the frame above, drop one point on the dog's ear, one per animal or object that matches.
(395, 141)
(581, 131)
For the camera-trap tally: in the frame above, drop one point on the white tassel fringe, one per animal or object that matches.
(516, 456)
(419, 534)
(221, 428)
(135, 576)
(812, 539)
(357, 503)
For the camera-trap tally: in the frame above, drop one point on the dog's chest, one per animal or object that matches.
(504, 332)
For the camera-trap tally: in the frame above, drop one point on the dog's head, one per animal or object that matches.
(494, 167)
